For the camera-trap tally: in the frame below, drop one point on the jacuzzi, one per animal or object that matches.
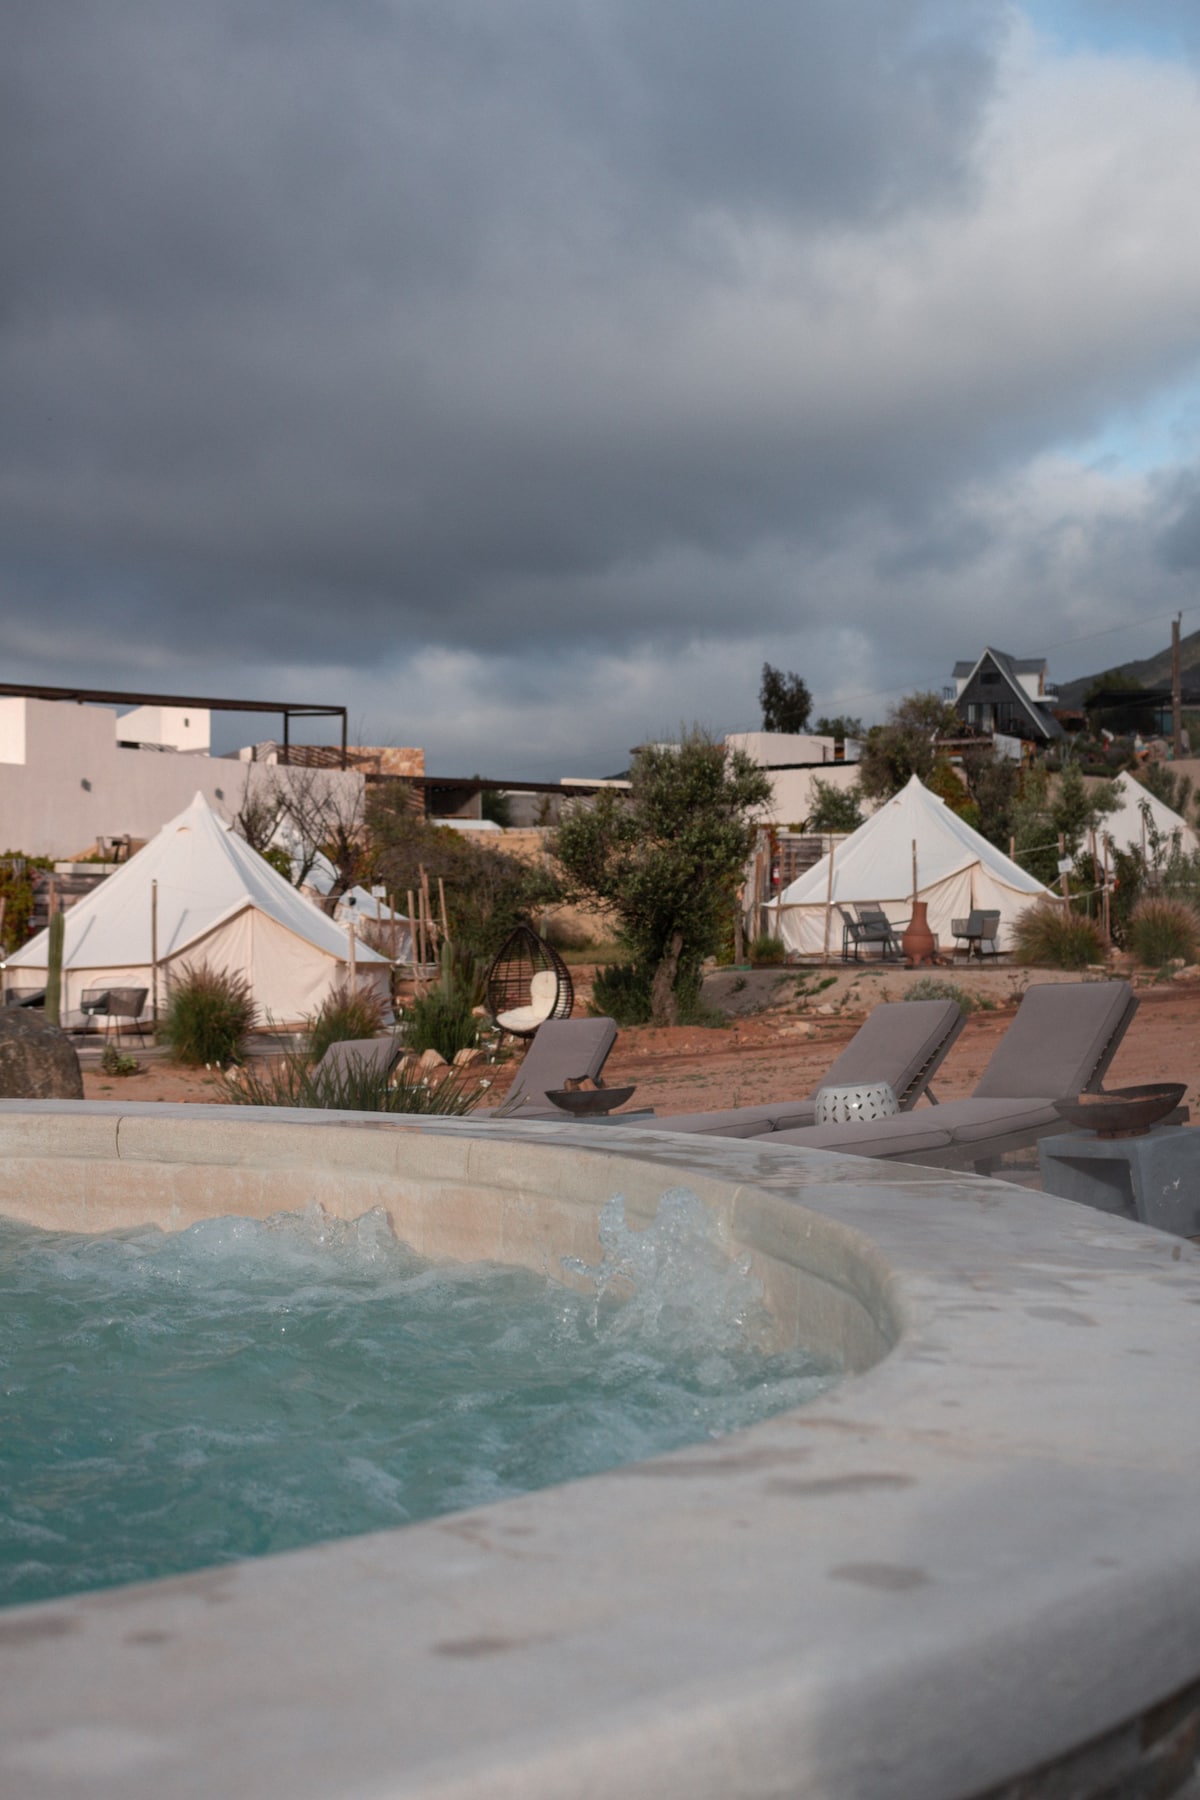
(974, 1562)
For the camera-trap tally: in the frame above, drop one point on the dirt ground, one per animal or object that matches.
(783, 1046)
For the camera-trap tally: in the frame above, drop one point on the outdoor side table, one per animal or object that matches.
(1154, 1178)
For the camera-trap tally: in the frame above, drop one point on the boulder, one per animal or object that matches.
(37, 1060)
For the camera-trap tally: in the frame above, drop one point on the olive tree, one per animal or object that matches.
(665, 858)
(906, 745)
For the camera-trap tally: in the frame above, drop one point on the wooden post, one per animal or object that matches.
(412, 938)
(1107, 914)
(154, 955)
(442, 900)
(829, 900)
(431, 943)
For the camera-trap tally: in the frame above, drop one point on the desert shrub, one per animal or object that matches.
(1050, 936)
(465, 969)
(621, 992)
(292, 1080)
(767, 949)
(931, 988)
(209, 1013)
(1161, 931)
(17, 893)
(442, 1020)
(343, 1015)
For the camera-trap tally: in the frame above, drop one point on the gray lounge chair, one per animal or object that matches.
(1059, 1045)
(377, 1053)
(561, 1050)
(902, 1043)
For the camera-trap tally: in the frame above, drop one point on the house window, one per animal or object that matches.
(990, 678)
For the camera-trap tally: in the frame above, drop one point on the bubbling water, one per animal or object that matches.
(177, 1400)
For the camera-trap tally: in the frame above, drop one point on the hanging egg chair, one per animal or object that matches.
(528, 982)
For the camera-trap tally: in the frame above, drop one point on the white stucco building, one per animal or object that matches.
(68, 778)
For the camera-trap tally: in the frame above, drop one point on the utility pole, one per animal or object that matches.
(1176, 691)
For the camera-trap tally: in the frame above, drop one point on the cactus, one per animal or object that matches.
(54, 969)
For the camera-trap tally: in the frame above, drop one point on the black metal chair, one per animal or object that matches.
(527, 983)
(113, 1004)
(977, 933)
(867, 925)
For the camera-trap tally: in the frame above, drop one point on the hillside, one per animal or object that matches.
(1152, 671)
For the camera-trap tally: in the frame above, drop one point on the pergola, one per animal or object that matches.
(286, 709)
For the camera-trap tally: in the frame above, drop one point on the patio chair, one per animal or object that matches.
(902, 1042)
(112, 1004)
(1060, 1044)
(527, 983)
(979, 933)
(867, 925)
(377, 1053)
(562, 1050)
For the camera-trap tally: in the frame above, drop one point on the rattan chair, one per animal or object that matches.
(528, 982)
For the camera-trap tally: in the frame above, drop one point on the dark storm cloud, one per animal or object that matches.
(533, 373)
(380, 305)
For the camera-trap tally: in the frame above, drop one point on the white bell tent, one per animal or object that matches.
(197, 893)
(1129, 830)
(957, 869)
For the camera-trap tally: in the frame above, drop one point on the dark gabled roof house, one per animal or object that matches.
(1007, 694)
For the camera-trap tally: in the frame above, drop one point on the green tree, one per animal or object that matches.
(785, 701)
(906, 745)
(1040, 815)
(840, 727)
(665, 859)
(1168, 785)
(834, 808)
(992, 782)
(17, 896)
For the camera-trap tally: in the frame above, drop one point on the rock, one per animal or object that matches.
(429, 1060)
(464, 1058)
(37, 1060)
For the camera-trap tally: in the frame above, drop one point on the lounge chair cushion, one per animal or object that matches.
(737, 1121)
(561, 1050)
(956, 1122)
(895, 1043)
(543, 992)
(369, 1053)
(1062, 1039)
(901, 1043)
(907, 1132)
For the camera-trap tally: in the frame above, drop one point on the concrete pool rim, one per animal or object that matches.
(969, 1561)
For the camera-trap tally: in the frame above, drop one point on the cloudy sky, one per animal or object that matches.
(524, 376)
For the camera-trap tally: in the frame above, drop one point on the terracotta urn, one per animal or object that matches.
(918, 943)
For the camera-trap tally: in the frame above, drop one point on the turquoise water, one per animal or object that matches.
(171, 1401)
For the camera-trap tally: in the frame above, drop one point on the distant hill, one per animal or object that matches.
(1153, 671)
